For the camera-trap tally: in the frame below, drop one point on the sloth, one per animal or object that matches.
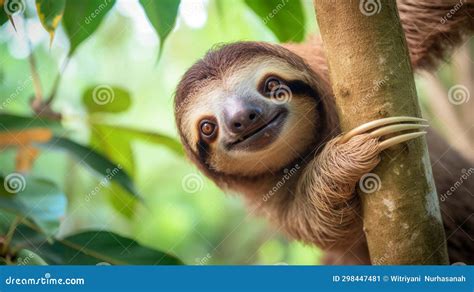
(259, 119)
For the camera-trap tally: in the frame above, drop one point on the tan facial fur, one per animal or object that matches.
(210, 96)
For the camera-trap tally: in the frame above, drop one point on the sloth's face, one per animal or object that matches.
(257, 117)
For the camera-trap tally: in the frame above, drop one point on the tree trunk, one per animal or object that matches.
(372, 78)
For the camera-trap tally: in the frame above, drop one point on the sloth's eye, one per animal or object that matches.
(271, 84)
(207, 128)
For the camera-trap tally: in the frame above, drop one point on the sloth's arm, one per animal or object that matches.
(325, 208)
(434, 27)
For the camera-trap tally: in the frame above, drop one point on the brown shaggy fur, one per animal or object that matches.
(317, 204)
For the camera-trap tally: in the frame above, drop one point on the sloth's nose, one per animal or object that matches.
(243, 118)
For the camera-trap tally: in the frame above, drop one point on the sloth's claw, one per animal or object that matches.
(388, 126)
(399, 139)
(396, 128)
(376, 124)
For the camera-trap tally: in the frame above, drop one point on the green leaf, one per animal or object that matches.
(121, 201)
(129, 134)
(94, 248)
(110, 171)
(13, 122)
(34, 198)
(104, 98)
(82, 18)
(285, 18)
(25, 257)
(50, 13)
(162, 16)
(114, 146)
(3, 15)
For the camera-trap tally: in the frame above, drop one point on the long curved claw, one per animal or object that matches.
(395, 128)
(399, 139)
(376, 124)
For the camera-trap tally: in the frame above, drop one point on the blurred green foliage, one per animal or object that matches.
(116, 107)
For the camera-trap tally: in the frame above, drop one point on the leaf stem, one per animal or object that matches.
(10, 233)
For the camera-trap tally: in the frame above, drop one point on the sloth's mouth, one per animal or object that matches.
(261, 136)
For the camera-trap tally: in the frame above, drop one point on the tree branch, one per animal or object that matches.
(367, 50)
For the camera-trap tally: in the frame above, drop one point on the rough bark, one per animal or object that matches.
(372, 78)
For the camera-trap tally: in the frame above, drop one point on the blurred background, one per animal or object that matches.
(181, 212)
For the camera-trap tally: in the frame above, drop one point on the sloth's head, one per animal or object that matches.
(248, 108)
